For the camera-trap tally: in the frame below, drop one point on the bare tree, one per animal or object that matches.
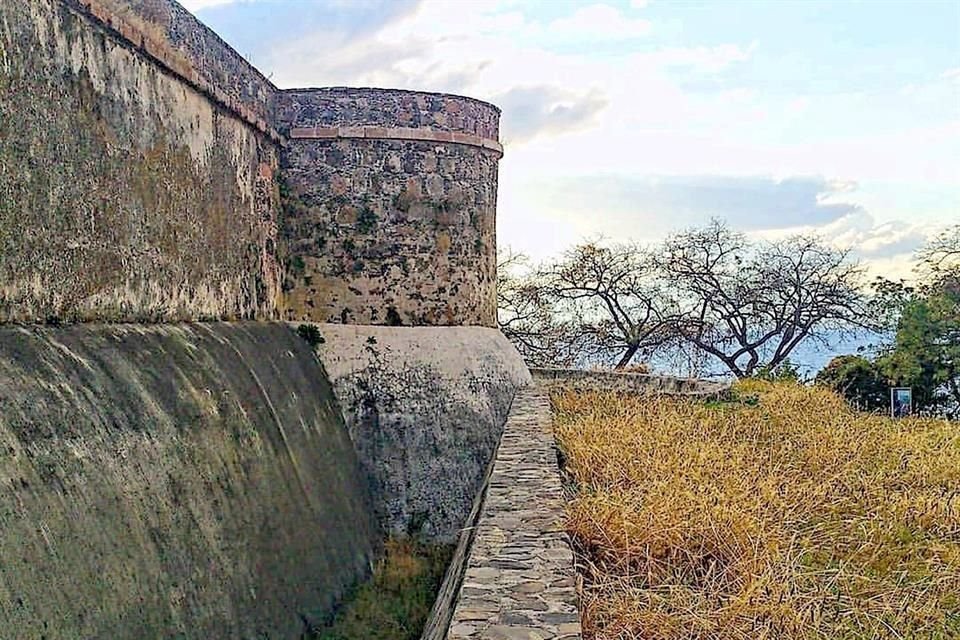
(944, 250)
(611, 299)
(749, 305)
(527, 318)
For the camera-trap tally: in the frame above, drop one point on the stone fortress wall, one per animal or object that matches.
(137, 167)
(148, 174)
(142, 164)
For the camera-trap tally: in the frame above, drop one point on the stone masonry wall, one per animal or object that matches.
(629, 383)
(389, 213)
(519, 582)
(137, 169)
(140, 161)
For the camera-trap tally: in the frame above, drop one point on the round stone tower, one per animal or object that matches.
(389, 207)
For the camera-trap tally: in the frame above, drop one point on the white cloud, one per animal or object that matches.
(597, 22)
(887, 249)
(199, 5)
(530, 111)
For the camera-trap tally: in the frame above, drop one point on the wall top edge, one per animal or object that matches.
(174, 39)
(360, 91)
(254, 98)
(226, 45)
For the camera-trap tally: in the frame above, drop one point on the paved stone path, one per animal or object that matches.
(519, 582)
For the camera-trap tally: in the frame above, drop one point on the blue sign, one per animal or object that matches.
(901, 402)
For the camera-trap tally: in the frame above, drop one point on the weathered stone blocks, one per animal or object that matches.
(126, 192)
(390, 203)
(628, 383)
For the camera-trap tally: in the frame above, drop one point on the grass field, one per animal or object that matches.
(788, 517)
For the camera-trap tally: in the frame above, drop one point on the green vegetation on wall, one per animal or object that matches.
(395, 603)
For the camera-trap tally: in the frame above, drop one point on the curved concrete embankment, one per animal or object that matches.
(425, 407)
(190, 481)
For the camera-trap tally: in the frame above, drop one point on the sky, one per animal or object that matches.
(633, 119)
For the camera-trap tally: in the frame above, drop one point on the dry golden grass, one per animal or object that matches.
(794, 518)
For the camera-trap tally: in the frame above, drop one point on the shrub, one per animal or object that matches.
(858, 380)
(311, 334)
(395, 603)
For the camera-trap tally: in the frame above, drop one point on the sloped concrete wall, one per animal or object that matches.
(188, 481)
(425, 407)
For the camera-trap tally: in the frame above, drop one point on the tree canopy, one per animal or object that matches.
(924, 351)
(750, 304)
(704, 292)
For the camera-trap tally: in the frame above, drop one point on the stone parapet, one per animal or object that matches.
(519, 581)
(362, 107)
(630, 383)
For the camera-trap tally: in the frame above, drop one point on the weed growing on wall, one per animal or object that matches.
(395, 603)
(311, 334)
(366, 220)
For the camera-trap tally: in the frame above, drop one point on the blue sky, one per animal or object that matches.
(631, 119)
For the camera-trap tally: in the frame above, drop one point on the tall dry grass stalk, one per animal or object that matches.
(795, 518)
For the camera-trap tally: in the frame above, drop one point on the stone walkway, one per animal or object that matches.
(519, 582)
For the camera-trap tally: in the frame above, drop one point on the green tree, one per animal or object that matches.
(925, 353)
(786, 371)
(857, 379)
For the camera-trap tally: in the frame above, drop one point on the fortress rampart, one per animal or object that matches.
(149, 173)
(137, 171)
(159, 476)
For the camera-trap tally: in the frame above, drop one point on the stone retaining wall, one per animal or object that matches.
(632, 383)
(519, 582)
(425, 407)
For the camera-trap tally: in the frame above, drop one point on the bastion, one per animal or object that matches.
(390, 205)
